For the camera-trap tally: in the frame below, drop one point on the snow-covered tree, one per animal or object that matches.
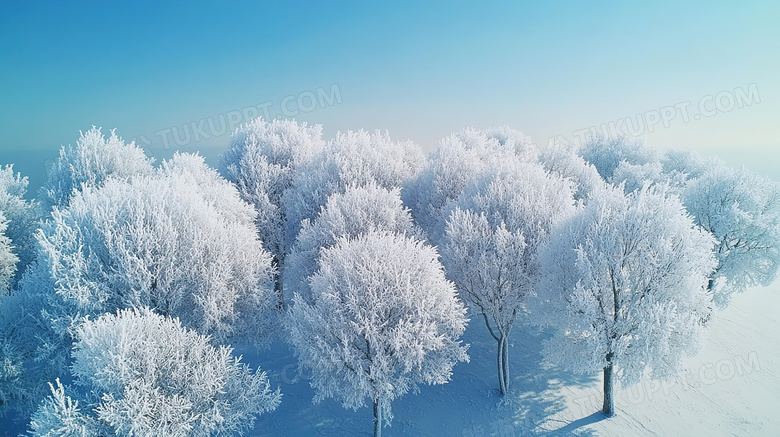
(634, 177)
(606, 153)
(22, 216)
(145, 374)
(8, 259)
(94, 159)
(180, 241)
(506, 138)
(357, 211)
(351, 159)
(260, 160)
(683, 165)
(624, 281)
(491, 240)
(60, 415)
(565, 162)
(384, 319)
(742, 211)
(459, 158)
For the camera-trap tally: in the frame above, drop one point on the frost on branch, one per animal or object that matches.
(351, 159)
(8, 259)
(357, 211)
(94, 159)
(145, 374)
(384, 319)
(742, 211)
(624, 281)
(564, 161)
(180, 241)
(607, 153)
(22, 219)
(59, 415)
(261, 160)
(459, 158)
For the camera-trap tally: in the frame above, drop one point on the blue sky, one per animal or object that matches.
(152, 70)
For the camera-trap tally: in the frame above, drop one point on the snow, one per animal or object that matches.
(730, 388)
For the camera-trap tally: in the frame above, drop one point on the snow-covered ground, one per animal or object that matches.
(730, 388)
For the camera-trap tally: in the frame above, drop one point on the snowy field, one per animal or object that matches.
(731, 388)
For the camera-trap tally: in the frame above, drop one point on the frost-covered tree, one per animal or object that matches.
(351, 159)
(20, 385)
(606, 153)
(22, 216)
(260, 160)
(634, 177)
(357, 211)
(11, 365)
(60, 415)
(384, 319)
(742, 211)
(458, 159)
(8, 259)
(180, 241)
(565, 162)
(491, 240)
(506, 138)
(624, 281)
(144, 374)
(682, 165)
(94, 159)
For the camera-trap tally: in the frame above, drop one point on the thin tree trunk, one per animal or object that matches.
(499, 369)
(377, 420)
(502, 362)
(279, 284)
(609, 399)
(505, 362)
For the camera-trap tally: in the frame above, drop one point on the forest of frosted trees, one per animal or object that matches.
(125, 283)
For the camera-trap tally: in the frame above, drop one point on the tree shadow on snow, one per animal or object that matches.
(572, 427)
(535, 396)
(468, 406)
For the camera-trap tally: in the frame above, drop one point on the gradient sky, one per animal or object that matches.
(419, 71)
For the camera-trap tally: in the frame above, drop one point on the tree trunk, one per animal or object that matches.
(609, 399)
(502, 361)
(279, 283)
(505, 363)
(377, 420)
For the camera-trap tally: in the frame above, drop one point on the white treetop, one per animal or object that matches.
(351, 159)
(180, 241)
(261, 160)
(357, 211)
(459, 158)
(22, 216)
(8, 259)
(606, 153)
(94, 159)
(565, 162)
